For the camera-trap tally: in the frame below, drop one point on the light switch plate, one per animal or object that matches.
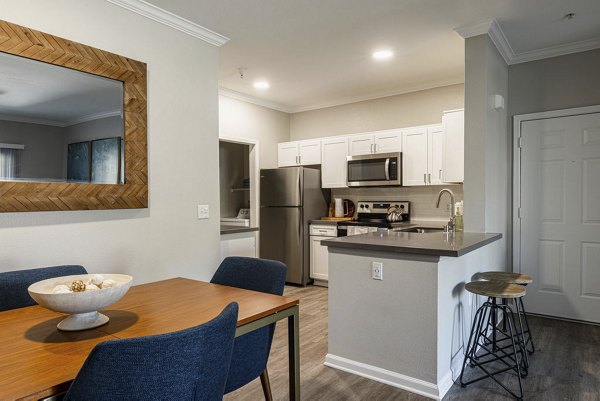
(203, 212)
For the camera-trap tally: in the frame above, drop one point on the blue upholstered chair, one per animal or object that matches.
(13, 285)
(191, 364)
(251, 351)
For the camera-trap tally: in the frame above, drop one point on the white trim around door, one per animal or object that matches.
(517, 121)
(556, 235)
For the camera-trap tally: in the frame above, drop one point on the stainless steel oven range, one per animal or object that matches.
(373, 216)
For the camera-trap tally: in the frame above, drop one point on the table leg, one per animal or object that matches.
(294, 353)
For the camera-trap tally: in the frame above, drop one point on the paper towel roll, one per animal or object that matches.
(339, 208)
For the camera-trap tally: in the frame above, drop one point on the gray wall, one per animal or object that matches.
(44, 152)
(406, 110)
(233, 168)
(108, 127)
(101, 128)
(166, 239)
(555, 83)
(246, 120)
(487, 169)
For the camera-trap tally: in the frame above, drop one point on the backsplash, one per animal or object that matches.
(422, 199)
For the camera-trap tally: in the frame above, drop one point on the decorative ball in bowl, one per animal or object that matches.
(81, 296)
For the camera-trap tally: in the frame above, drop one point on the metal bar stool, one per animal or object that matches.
(514, 278)
(484, 346)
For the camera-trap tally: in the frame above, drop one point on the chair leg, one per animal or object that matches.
(266, 385)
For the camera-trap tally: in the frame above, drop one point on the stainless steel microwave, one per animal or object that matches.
(374, 170)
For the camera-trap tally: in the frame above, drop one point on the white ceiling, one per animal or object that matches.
(317, 53)
(41, 93)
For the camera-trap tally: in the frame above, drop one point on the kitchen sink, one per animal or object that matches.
(421, 230)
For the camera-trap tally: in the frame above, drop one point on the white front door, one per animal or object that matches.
(560, 215)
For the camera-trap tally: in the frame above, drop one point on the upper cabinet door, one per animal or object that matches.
(309, 152)
(414, 156)
(333, 166)
(287, 154)
(435, 140)
(389, 141)
(361, 145)
(454, 146)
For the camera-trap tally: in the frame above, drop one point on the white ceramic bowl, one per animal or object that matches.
(83, 307)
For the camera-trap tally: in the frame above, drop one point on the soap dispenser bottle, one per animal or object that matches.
(458, 222)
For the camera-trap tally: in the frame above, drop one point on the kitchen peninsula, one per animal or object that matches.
(408, 328)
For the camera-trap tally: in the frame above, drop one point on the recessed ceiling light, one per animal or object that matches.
(261, 85)
(383, 54)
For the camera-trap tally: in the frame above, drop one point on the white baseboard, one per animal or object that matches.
(388, 377)
(451, 375)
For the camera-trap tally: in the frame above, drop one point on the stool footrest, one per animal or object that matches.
(487, 345)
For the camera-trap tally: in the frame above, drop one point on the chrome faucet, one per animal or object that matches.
(451, 226)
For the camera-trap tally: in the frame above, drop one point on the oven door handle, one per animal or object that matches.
(387, 169)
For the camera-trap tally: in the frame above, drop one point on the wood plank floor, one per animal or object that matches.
(566, 365)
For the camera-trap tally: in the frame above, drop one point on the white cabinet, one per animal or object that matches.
(299, 153)
(422, 156)
(361, 144)
(238, 244)
(454, 146)
(414, 156)
(375, 142)
(388, 141)
(319, 257)
(333, 164)
(287, 154)
(435, 155)
(309, 152)
(431, 155)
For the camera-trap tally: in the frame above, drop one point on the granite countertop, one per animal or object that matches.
(225, 229)
(436, 244)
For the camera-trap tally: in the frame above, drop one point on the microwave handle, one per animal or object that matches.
(387, 169)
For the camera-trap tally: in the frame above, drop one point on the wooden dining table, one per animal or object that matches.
(38, 361)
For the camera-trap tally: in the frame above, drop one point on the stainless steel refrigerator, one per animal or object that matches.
(289, 198)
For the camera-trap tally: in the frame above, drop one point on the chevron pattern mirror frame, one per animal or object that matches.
(18, 196)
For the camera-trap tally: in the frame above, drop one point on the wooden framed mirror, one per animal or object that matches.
(128, 162)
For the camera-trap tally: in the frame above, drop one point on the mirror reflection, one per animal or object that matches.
(58, 124)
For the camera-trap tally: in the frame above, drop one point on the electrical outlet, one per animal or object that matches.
(377, 271)
(203, 212)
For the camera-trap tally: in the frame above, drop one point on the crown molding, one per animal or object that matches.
(476, 29)
(254, 100)
(167, 18)
(494, 31)
(60, 124)
(504, 48)
(30, 120)
(299, 109)
(92, 117)
(554, 51)
(412, 89)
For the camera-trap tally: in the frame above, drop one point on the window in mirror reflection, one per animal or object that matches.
(58, 124)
